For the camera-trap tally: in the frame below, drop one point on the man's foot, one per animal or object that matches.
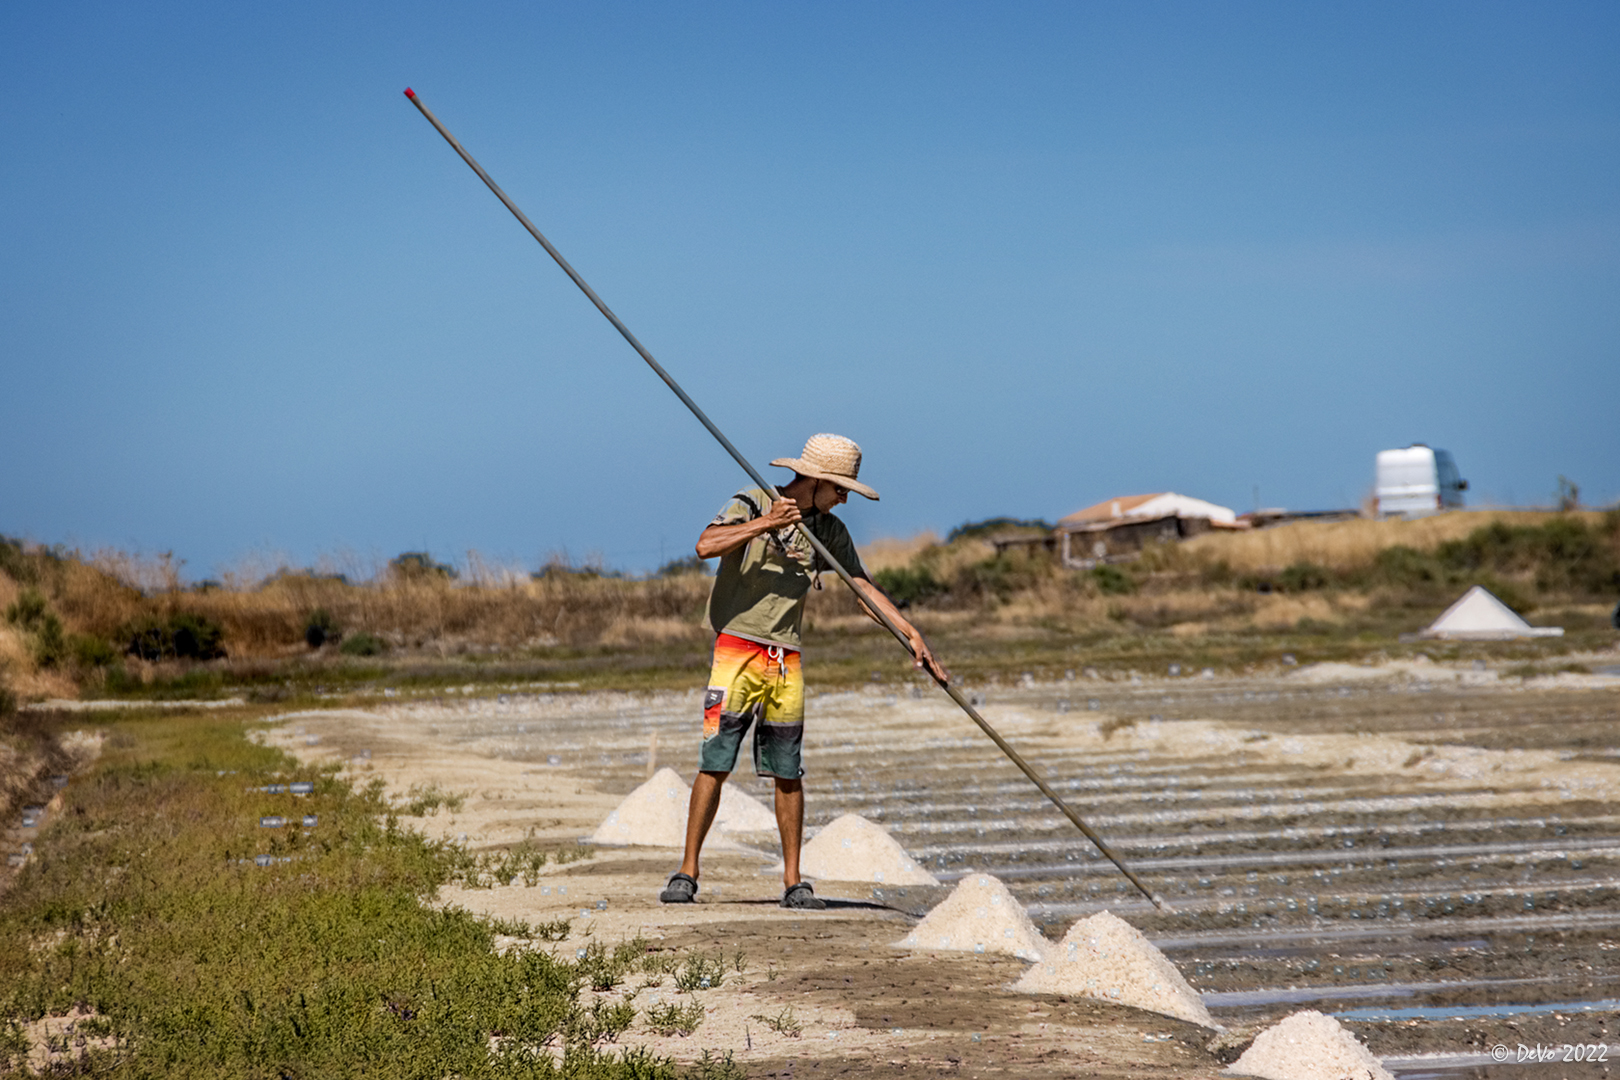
(802, 897)
(682, 889)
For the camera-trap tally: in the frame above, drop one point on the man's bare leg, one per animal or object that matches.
(790, 824)
(700, 815)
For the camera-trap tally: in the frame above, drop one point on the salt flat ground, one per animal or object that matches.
(1432, 854)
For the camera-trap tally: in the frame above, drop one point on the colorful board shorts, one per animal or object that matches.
(752, 682)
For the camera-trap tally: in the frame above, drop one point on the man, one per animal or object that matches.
(767, 568)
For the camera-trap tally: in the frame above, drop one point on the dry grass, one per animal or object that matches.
(264, 615)
(629, 631)
(144, 573)
(1276, 612)
(19, 673)
(21, 761)
(891, 552)
(566, 609)
(1347, 545)
(92, 600)
(1223, 583)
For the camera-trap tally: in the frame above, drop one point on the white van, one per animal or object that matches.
(1418, 480)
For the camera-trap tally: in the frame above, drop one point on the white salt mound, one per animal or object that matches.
(851, 848)
(1106, 957)
(1308, 1046)
(654, 815)
(980, 915)
(740, 812)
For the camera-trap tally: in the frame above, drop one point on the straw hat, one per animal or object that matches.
(832, 458)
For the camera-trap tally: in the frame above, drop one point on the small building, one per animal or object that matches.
(1120, 528)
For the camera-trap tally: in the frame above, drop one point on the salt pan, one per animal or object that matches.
(1106, 957)
(851, 848)
(1308, 1046)
(980, 915)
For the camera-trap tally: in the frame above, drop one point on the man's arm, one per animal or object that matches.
(871, 598)
(718, 540)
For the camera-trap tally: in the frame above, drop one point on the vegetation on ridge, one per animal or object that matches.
(74, 625)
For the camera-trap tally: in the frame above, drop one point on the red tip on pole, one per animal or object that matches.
(410, 94)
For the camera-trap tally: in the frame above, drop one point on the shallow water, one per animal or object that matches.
(1439, 1012)
(1235, 998)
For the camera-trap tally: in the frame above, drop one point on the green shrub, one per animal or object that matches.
(700, 973)
(783, 1023)
(31, 614)
(194, 683)
(320, 628)
(709, 1067)
(118, 680)
(197, 637)
(1562, 555)
(672, 1019)
(1405, 567)
(50, 641)
(1303, 577)
(604, 1021)
(974, 530)
(1003, 574)
(1111, 580)
(28, 610)
(15, 563)
(1506, 591)
(363, 644)
(661, 963)
(907, 585)
(419, 566)
(603, 968)
(555, 930)
(90, 651)
(689, 564)
(183, 635)
(147, 638)
(561, 568)
(422, 800)
(487, 869)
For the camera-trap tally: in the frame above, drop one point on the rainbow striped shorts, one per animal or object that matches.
(758, 686)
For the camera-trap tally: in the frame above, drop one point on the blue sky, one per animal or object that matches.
(1030, 256)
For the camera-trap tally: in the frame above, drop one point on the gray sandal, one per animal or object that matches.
(802, 897)
(681, 889)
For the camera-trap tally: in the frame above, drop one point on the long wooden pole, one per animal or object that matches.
(753, 474)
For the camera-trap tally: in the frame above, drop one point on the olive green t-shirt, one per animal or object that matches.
(760, 589)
